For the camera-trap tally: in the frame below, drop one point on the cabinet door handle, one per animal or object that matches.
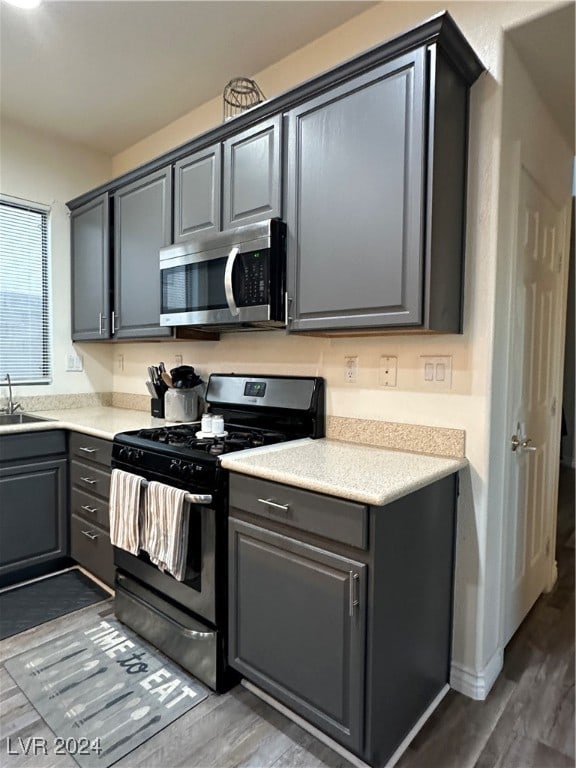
(90, 535)
(101, 318)
(87, 450)
(353, 596)
(113, 322)
(88, 480)
(270, 503)
(92, 510)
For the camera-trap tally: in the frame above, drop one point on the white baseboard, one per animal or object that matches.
(477, 685)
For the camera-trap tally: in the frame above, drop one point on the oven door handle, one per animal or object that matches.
(228, 287)
(199, 498)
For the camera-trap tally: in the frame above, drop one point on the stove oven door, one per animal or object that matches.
(197, 592)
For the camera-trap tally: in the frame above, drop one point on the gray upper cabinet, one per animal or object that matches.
(366, 163)
(211, 194)
(252, 174)
(91, 270)
(142, 225)
(355, 189)
(197, 188)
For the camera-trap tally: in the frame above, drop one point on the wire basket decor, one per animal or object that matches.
(240, 94)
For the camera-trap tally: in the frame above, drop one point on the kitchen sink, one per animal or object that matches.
(19, 418)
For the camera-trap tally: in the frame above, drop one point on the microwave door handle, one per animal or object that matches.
(229, 290)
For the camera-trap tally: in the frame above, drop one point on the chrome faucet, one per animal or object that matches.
(12, 406)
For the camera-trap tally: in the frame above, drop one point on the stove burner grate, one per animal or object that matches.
(236, 439)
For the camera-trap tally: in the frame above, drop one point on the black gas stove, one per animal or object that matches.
(187, 619)
(257, 411)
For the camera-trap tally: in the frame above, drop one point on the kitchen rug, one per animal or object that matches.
(24, 607)
(103, 691)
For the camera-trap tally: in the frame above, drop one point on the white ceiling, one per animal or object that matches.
(108, 73)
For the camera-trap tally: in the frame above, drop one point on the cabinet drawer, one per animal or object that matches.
(327, 516)
(87, 478)
(87, 448)
(92, 508)
(91, 548)
(30, 445)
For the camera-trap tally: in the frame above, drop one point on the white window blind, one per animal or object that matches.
(25, 344)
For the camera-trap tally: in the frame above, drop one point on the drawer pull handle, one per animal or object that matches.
(88, 480)
(92, 510)
(270, 503)
(90, 535)
(87, 450)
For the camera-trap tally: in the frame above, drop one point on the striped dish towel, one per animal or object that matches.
(125, 510)
(164, 533)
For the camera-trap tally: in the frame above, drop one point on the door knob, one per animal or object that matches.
(522, 444)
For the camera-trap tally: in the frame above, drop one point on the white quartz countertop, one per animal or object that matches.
(362, 473)
(99, 421)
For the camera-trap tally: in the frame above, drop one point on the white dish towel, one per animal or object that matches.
(164, 533)
(125, 507)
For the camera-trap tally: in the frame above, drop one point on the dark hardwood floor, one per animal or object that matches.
(527, 720)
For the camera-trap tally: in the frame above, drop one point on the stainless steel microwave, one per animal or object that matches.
(234, 280)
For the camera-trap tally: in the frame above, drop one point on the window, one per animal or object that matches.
(25, 345)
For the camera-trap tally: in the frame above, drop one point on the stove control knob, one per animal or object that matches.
(176, 467)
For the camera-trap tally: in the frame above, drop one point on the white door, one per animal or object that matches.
(534, 441)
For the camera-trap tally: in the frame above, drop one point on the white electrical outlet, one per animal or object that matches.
(437, 371)
(388, 370)
(177, 360)
(119, 362)
(351, 369)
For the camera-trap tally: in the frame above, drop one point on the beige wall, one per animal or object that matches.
(43, 169)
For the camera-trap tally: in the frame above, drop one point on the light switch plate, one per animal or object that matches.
(74, 362)
(436, 371)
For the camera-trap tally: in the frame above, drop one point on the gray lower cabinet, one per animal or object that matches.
(299, 608)
(346, 620)
(142, 225)
(33, 509)
(375, 190)
(91, 270)
(89, 503)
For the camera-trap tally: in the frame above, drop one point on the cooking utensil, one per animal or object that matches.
(79, 708)
(106, 706)
(151, 389)
(61, 648)
(59, 661)
(125, 739)
(138, 714)
(167, 379)
(184, 377)
(73, 685)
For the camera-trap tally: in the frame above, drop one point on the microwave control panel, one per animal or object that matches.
(252, 287)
